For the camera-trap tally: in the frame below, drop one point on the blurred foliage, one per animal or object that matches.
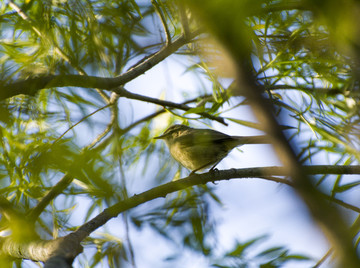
(304, 53)
(247, 254)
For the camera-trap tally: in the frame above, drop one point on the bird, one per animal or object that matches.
(198, 148)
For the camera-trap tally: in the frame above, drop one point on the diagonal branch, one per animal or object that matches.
(142, 120)
(54, 192)
(266, 173)
(8, 210)
(32, 85)
(64, 182)
(313, 90)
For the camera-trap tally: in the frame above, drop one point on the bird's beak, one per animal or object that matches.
(159, 137)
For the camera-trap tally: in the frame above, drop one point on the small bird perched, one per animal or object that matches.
(197, 149)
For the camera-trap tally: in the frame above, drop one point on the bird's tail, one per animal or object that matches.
(262, 139)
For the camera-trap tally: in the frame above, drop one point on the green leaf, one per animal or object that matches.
(241, 247)
(246, 123)
(195, 110)
(346, 187)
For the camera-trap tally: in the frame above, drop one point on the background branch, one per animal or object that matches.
(163, 21)
(56, 190)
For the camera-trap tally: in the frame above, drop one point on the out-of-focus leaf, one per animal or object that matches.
(241, 247)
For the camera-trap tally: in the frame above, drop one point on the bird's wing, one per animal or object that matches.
(203, 137)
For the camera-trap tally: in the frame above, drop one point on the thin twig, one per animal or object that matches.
(144, 119)
(24, 16)
(342, 203)
(113, 120)
(163, 21)
(323, 259)
(124, 93)
(63, 183)
(184, 19)
(151, 116)
(317, 90)
(81, 120)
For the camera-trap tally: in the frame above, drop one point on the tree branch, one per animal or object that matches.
(54, 192)
(32, 85)
(323, 259)
(314, 90)
(163, 21)
(150, 116)
(124, 93)
(68, 247)
(82, 120)
(57, 49)
(266, 173)
(113, 122)
(63, 250)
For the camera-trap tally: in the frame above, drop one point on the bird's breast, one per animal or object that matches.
(198, 154)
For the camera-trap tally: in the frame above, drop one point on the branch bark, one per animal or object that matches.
(61, 250)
